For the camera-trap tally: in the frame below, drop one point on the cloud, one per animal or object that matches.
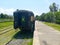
(7, 11)
(11, 10)
(35, 11)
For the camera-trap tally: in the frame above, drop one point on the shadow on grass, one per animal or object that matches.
(23, 35)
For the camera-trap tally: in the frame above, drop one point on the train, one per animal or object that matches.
(24, 20)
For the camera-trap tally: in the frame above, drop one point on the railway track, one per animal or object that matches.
(7, 29)
(6, 34)
(21, 38)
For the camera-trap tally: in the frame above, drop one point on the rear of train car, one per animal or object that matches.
(24, 20)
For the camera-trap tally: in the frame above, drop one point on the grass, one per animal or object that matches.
(55, 26)
(5, 24)
(4, 38)
(4, 20)
(30, 42)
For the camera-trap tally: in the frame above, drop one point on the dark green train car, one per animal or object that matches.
(24, 20)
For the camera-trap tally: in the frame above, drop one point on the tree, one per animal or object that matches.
(42, 17)
(52, 16)
(2, 15)
(59, 10)
(37, 17)
(48, 17)
(53, 7)
(57, 17)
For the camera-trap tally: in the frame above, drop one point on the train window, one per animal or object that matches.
(32, 18)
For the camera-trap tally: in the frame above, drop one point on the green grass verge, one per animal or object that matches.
(55, 26)
(30, 42)
(5, 24)
(4, 20)
(4, 38)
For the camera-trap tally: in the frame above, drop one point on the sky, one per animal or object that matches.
(36, 6)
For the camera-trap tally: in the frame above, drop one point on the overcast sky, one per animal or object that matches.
(37, 6)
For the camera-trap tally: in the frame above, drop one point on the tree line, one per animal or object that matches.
(5, 17)
(52, 16)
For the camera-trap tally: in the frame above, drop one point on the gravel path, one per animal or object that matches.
(19, 42)
(47, 35)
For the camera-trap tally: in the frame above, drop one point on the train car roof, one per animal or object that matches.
(26, 11)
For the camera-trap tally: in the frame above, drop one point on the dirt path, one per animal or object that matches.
(47, 35)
